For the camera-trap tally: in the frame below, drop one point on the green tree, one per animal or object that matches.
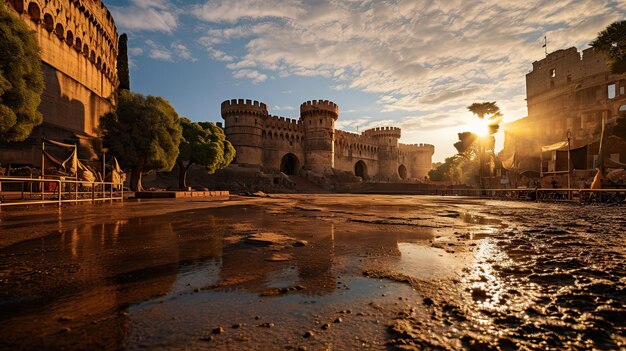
(467, 145)
(143, 133)
(122, 63)
(21, 78)
(612, 43)
(204, 144)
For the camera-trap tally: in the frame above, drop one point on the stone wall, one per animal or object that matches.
(78, 43)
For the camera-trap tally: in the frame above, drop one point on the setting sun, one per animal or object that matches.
(478, 126)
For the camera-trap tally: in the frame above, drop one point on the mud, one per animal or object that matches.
(314, 272)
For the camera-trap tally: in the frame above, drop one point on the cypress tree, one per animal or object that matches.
(122, 63)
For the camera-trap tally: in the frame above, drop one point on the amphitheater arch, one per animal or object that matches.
(18, 5)
(69, 38)
(48, 22)
(58, 30)
(34, 12)
(78, 44)
(85, 50)
(360, 170)
(402, 172)
(289, 164)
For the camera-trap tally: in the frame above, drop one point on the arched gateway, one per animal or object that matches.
(360, 170)
(289, 164)
(402, 172)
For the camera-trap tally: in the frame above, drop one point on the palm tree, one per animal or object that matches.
(612, 43)
(490, 113)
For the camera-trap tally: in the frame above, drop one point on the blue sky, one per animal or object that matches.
(413, 64)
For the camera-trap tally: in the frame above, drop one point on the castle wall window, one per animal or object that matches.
(553, 73)
(611, 91)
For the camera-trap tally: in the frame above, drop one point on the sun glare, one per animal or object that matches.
(478, 126)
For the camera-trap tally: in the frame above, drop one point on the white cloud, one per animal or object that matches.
(158, 52)
(255, 76)
(135, 51)
(282, 108)
(229, 11)
(182, 52)
(146, 15)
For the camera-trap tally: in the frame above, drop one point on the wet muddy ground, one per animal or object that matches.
(314, 272)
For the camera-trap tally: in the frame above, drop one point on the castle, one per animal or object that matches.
(312, 143)
(78, 42)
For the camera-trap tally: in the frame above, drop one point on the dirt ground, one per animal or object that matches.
(314, 272)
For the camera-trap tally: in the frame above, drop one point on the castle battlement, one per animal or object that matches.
(243, 106)
(282, 122)
(391, 132)
(416, 147)
(319, 105)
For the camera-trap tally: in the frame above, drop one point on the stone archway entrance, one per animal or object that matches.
(289, 164)
(402, 172)
(360, 170)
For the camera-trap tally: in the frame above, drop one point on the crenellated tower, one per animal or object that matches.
(387, 141)
(243, 125)
(318, 119)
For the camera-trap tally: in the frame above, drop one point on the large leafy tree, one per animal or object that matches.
(122, 63)
(21, 78)
(203, 143)
(143, 133)
(612, 43)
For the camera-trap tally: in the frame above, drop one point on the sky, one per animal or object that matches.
(412, 64)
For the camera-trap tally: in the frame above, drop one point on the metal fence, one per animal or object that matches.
(16, 191)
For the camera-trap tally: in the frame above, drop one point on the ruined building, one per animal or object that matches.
(78, 43)
(312, 143)
(567, 91)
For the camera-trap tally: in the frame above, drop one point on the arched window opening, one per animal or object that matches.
(58, 30)
(78, 44)
(69, 38)
(34, 12)
(48, 22)
(18, 5)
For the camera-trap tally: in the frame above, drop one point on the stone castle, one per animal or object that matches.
(312, 143)
(78, 42)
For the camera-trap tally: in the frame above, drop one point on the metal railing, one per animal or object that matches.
(37, 191)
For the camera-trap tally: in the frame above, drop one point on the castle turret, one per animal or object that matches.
(387, 140)
(318, 118)
(243, 125)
